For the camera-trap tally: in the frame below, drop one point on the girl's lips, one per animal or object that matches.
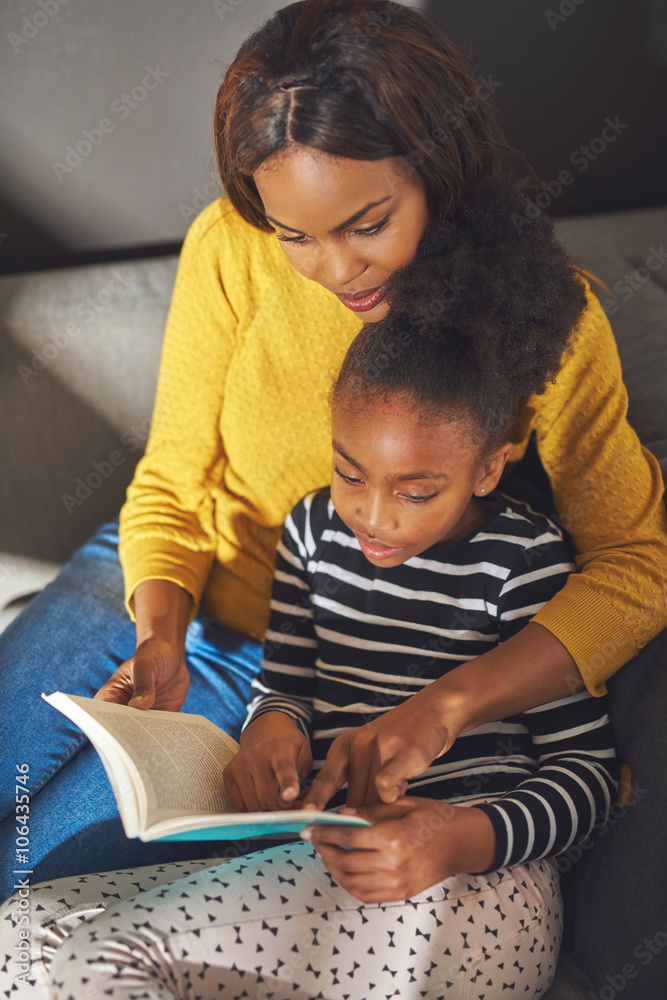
(376, 551)
(363, 301)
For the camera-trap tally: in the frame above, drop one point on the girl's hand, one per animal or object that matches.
(376, 759)
(155, 677)
(413, 844)
(268, 769)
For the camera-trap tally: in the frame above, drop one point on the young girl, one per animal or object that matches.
(336, 148)
(411, 565)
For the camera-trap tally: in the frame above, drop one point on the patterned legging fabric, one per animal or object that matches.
(275, 925)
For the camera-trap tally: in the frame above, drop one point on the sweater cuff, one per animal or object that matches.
(591, 629)
(162, 559)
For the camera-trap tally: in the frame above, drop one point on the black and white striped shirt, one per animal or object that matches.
(348, 640)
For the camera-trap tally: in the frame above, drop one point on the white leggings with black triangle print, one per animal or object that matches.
(274, 925)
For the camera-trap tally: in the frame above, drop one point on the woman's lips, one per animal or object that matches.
(375, 550)
(363, 301)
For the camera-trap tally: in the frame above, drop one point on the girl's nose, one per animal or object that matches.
(374, 514)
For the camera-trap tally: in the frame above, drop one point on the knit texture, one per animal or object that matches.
(241, 432)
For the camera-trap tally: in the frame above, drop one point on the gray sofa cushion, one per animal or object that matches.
(80, 355)
(570, 982)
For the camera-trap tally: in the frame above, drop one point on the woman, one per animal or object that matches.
(336, 146)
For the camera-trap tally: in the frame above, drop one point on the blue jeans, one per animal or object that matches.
(71, 638)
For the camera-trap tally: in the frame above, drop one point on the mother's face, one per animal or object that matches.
(346, 224)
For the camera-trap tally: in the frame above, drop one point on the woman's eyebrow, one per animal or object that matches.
(343, 225)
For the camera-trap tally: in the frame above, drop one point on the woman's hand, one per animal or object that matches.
(155, 677)
(413, 844)
(376, 759)
(268, 769)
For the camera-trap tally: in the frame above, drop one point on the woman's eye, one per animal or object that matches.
(373, 230)
(292, 239)
(347, 479)
(408, 496)
(301, 240)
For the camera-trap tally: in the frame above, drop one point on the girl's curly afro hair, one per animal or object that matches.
(478, 321)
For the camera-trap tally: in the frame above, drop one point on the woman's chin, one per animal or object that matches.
(376, 314)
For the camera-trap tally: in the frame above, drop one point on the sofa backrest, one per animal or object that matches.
(81, 351)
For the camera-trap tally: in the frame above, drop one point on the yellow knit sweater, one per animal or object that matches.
(241, 431)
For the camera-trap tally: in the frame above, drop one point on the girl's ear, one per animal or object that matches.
(492, 469)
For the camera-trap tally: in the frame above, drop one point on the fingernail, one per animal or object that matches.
(309, 805)
(307, 833)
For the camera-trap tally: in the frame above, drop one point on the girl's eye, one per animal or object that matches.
(347, 479)
(300, 240)
(408, 496)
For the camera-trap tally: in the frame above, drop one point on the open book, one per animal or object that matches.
(165, 770)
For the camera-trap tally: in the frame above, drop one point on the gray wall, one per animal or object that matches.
(560, 70)
(141, 180)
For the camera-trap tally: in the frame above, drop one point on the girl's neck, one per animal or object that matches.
(478, 512)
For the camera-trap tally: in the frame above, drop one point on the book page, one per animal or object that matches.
(181, 762)
(180, 757)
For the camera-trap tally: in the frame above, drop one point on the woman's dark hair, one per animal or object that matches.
(363, 79)
(478, 320)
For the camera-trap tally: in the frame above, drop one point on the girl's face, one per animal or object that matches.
(402, 485)
(346, 224)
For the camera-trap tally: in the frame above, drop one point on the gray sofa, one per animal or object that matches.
(80, 354)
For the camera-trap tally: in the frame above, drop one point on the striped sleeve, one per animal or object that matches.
(286, 682)
(572, 790)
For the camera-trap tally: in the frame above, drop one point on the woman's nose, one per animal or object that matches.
(337, 268)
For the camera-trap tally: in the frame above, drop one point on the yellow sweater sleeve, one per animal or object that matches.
(608, 491)
(167, 529)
